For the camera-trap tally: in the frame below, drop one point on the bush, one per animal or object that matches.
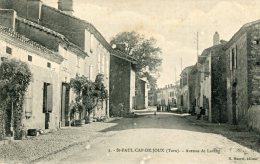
(15, 77)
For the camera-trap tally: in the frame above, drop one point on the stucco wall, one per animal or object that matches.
(34, 96)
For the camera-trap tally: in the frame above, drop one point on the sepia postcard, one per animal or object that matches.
(130, 82)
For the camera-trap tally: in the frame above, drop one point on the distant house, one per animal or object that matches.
(40, 109)
(243, 78)
(122, 82)
(152, 97)
(212, 82)
(168, 96)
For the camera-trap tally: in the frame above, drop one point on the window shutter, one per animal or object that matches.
(230, 59)
(235, 58)
(91, 42)
(49, 98)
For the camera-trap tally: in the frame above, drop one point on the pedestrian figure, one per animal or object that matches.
(202, 113)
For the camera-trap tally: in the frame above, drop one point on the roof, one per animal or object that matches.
(88, 26)
(92, 29)
(122, 55)
(205, 53)
(28, 42)
(240, 32)
(187, 69)
(71, 46)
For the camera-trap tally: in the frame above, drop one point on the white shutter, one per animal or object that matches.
(91, 72)
(91, 42)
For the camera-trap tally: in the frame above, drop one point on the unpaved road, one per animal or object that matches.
(159, 139)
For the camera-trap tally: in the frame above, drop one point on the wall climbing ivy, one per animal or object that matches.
(15, 77)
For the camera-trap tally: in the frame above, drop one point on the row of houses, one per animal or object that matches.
(57, 46)
(226, 79)
(168, 96)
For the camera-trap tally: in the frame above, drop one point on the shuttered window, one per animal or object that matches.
(47, 98)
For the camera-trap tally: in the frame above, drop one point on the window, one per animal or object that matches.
(29, 58)
(233, 58)
(91, 43)
(48, 65)
(8, 50)
(3, 58)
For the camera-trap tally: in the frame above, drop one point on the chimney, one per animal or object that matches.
(7, 18)
(34, 10)
(216, 39)
(66, 6)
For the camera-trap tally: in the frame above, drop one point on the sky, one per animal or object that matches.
(173, 23)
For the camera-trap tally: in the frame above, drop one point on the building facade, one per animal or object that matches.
(243, 67)
(212, 83)
(39, 107)
(168, 96)
(122, 83)
(83, 50)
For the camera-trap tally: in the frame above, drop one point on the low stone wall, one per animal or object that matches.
(254, 117)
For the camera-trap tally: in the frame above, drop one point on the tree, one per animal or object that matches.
(144, 51)
(88, 93)
(15, 77)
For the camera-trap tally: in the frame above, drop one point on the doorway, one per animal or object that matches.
(234, 103)
(47, 103)
(65, 98)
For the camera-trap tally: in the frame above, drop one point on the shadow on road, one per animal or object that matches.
(184, 122)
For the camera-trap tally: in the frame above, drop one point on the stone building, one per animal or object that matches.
(39, 107)
(243, 82)
(212, 81)
(122, 82)
(83, 48)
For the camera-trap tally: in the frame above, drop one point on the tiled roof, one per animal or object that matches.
(122, 55)
(29, 42)
(54, 33)
(47, 30)
(241, 31)
(97, 34)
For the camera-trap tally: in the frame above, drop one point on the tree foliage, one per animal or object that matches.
(88, 92)
(15, 77)
(144, 51)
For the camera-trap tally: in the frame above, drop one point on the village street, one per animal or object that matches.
(148, 138)
(162, 138)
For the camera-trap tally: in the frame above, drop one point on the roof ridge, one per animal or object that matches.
(53, 32)
(27, 41)
(42, 27)
(88, 25)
